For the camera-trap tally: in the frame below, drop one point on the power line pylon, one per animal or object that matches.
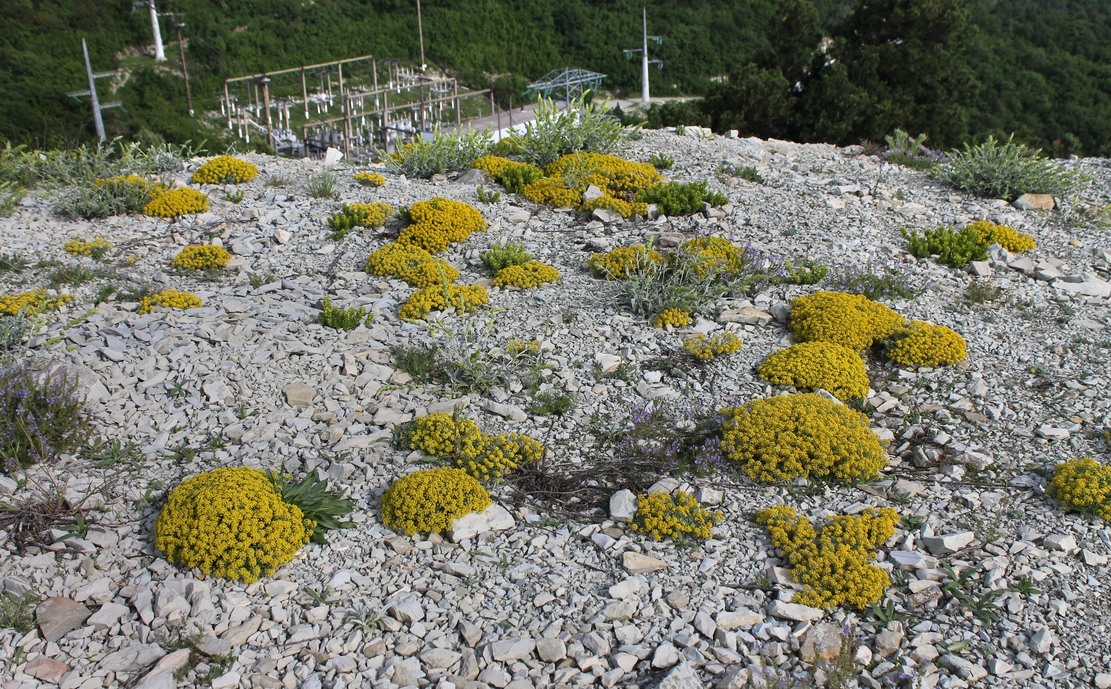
(644, 61)
(98, 121)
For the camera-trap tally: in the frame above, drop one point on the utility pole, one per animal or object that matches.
(420, 31)
(159, 51)
(644, 61)
(184, 68)
(98, 120)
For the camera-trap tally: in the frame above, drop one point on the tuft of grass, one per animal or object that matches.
(890, 283)
(17, 611)
(13, 263)
(1006, 170)
(748, 173)
(321, 185)
(484, 196)
(421, 361)
(661, 161)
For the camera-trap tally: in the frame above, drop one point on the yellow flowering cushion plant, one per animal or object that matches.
(925, 344)
(177, 202)
(499, 455)
(833, 563)
(369, 179)
(676, 318)
(709, 347)
(850, 320)
(170, 299)
(443, 435)
(225, 170)
(230, 523)
(801, 436)
(94, 249)
(1007, 237)
(30, 303)
(430, 501)
(674, 515)
(813, 365)
(411, 264)
(715, 255)
(436, 224)
(202, 257)
(462, 298)
(526, 275)
(617, 263)
(1083, 485)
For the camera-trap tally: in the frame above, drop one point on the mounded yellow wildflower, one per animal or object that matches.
(369, 179)
(95, 248)
(526, 275)
(430, 501)
(676, 318)
(32, 302)
(225, 170)
(202, 257)
(1083, 485)
(675, 515)
(618, 177)
(813, 365)
(924, 344)
(716, 254)
(230, 523)
(412, 264)
(850, 320)
(617, 263)
(170, 299)
(142, 185)
(801, 436)
(497, 166)
(444, 435)
(626, 209)
(438, 223)
(709, 347)
(833, 563)
(177, 202)
(499, 455)
(549, 192)
(1007, 237)
(462, 298)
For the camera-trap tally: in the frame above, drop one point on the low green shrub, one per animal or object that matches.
(677, 198)
(1007, 170)
(954, 248)
(343, 319)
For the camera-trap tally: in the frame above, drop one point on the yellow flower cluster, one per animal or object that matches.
(443, 435)
(1083, 485)
(526, 275)
(497, 166)
(709, 347)
(716, 254)
(201, 257)
(462, 298)
(178, 202)
(430, 501)
(411, 264)
(616, 176)
(834, 563)
(369, 179)
(800, 436)
(96, 248)
(225, 170)
(616, 263)
(170, 299)
(676, 318)
(850, 320)
(485, 457)
(367, 214)
(517, 346)
(230, 523)
(626, 209)
(141, 184)
(1007, 237)
(925, 344)
(673, 515)
(30, 303)
(813, 365)
(438, 223)
(550, 192)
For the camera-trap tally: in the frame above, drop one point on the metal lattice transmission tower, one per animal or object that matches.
(644, 61)
(571, 81)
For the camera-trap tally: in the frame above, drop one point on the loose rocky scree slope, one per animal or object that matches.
(531, 596)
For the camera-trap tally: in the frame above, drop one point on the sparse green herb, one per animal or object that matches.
(13, 263)
(677, 198)
(235, 196)
(981, 292)
(487, 196)
(581, 127)
(17, 610)
(551, 403)
(804, 272)
(343, 319)
(747, 173)
(952, 247)
(661, 161)
(441, 154)
(324, 507)
(321, 185)
(500, 256)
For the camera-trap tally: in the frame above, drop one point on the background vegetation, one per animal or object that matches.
(955, 69)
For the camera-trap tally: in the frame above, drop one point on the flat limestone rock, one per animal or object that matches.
(639, 563)
(59, 616)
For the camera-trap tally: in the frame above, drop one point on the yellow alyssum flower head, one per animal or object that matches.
(369, 179)
(715, 255)
(850, 320)
(177, 202)
(462, 298)
(230, 523)
(225, 170)
(798, 436)
(549, 192)
(1083, 485)
(30, 303)
(202, 257)
(430, 501)
(412, 264)
(444, 435)
(95, 248)
(676, 318)
(526, 275)
(616, 264)
(1007, 237)
(925, 344)
(710, 347)
(170, 299)
(675, 515)
(813, 365)
(438, 223)
(833, 563)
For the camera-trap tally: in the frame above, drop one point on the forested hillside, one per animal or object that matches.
(955, 69)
